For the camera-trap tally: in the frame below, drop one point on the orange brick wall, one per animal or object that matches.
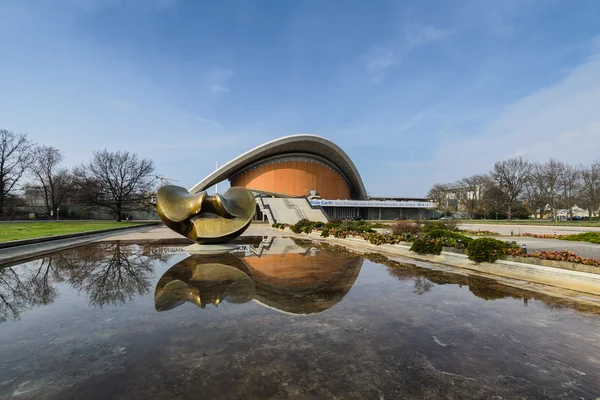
(296, 178)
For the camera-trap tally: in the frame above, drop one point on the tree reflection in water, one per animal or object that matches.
(23, 288)
(109, 273)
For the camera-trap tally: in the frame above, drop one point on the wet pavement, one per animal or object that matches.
(281, 319)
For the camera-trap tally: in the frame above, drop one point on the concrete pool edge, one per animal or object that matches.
(16, 254)
(521, 275)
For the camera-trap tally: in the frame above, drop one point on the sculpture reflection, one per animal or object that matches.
(204, 280)
(280, 275)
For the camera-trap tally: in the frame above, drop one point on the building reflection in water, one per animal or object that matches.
(279, 274)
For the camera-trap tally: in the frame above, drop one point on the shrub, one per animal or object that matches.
(410, 227)
(325, 232)
(486, 250)
(449, 238)
(426, 246)
(356, 227)
(339, 233)
(446, 225)
(298, 226)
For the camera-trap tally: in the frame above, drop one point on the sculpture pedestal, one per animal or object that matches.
(210, 248)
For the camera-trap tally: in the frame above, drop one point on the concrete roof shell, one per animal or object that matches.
(293, 144)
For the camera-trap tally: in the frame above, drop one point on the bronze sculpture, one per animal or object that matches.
(204, 218)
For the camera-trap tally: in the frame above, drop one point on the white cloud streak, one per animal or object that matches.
(560, 121)
(218, 89)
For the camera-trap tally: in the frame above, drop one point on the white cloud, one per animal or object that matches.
(420, 35)
(218, 89)
(561, 121)
(381, 58)
(217, 80)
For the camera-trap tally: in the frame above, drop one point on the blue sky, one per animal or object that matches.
(415, 92)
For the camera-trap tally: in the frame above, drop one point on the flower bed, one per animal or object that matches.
(566, 255)
(590, 237)
(481, 232)
(433, 241)
(544, 235)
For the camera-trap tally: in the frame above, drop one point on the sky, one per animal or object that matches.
(415, 92)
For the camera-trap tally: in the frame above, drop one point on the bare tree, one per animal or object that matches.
(474, 187)
(119, 181)
(55, 181)
(536, 201)
(571, 186)
(590, 187)
(15, 156)
(439, 194)
(548, 178)
(510, 177)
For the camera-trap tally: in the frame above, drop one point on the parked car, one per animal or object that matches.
(444, 218)
(357, 218)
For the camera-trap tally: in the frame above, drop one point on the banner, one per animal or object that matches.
(371, 203)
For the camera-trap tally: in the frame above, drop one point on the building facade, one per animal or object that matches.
(313, 168)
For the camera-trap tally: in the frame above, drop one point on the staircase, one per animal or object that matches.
(266, 210)
(290, 210)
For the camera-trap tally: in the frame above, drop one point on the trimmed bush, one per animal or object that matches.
(325, 232)
(486, 250)
(426, 246)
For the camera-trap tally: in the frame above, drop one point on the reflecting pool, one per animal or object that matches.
(278, 318)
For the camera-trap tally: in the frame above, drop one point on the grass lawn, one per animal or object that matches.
(29, 230)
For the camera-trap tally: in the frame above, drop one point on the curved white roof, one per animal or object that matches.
(293, 144)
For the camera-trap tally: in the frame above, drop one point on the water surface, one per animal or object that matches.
(278, 319)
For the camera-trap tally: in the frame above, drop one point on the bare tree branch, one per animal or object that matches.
(15, 156)
(510, 177)
(118, 180)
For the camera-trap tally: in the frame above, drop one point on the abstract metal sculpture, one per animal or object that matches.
(203, 218)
